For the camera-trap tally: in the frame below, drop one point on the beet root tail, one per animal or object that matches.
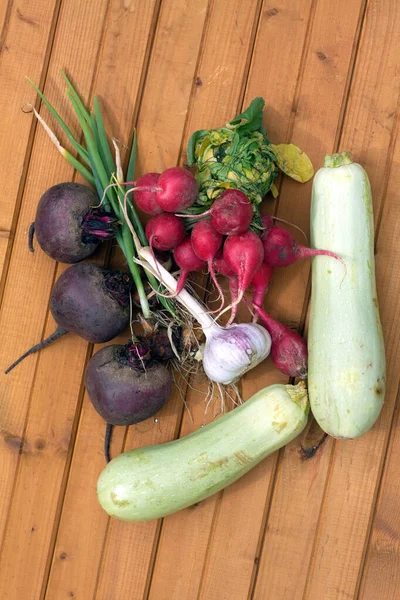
(31, 235)
(52, 338)
(107, 441)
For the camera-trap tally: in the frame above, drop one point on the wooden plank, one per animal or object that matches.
(92, 520)
(120, 548)
(355, 473)
(41, 425)
(74, 563)
(308, 487)
(28, 285)
(300, 484)
(200, 520)
(380, 577)
(27, 32)
(356, 467)
(169, 83)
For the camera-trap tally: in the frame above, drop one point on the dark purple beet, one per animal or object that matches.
(67, 228)
(125, 389)
(90, 301)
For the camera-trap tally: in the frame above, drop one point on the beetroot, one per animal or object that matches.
(145, 194)
(67, 228)
(90, 301)
(126, 386)
(289, 349)
(281, 250)
(177, 190)
(187, 261)
(165, 231)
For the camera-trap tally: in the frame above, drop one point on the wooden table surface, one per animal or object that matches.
(327, 528)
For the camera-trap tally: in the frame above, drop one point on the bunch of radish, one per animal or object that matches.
(222, 240)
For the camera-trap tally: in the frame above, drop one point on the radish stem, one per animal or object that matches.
(104, 146)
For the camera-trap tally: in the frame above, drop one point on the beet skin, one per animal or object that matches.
(91, 301)
(123, 394)
(58, 224)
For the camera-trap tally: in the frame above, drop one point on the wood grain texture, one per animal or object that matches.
(50, 403)
(350, 500)
(29, 281)
(325, 528)
(215, 101)
(121, 106)
(26, 37)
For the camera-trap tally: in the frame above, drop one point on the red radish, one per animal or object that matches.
(187, 261)
(205, 243)
(231, 213)
(260, 283)
(289, 349)
(177, 190)
(268, 224)
(281, 250)
(165, 231)
(243, 254)
(221, 267)
(145, 194)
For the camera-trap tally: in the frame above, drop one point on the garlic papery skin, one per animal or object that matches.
(232, 351)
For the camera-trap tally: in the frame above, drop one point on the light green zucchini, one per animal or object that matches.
(155, 481)
(346, 364)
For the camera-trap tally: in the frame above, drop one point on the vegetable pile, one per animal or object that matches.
(210, 218)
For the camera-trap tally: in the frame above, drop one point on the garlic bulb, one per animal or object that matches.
(229, 352)
(232, 351)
